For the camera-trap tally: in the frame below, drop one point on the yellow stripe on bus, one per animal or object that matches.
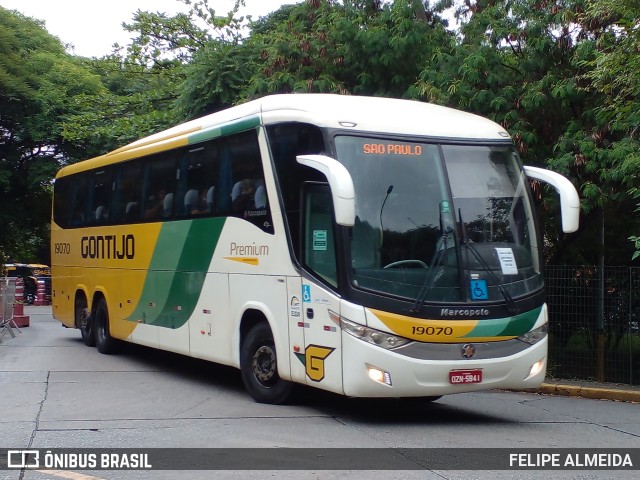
(248, 260)
(128, 154)
(97, 261)
(139, 144)
(424, 330)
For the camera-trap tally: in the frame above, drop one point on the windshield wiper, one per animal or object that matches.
(511, 306)
(434, 265)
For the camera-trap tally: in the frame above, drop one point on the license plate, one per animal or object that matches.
(465, 376)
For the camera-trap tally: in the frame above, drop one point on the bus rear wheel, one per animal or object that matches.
(104, 341)
(84, 321)
(259, 367)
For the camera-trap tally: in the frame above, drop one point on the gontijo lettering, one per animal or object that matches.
(391, 149)
(108, 246)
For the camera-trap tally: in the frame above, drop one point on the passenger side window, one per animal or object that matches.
(247, 193)
(62, 202)
(198, 181)
(219, 177)
(102, 187)
(159, 187)
(319, 236)
(126, 196)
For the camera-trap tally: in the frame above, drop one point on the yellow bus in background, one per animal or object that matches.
(31, 273)
(370, 247)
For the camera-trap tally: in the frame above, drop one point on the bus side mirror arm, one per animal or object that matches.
(569, 199)
(341, 184)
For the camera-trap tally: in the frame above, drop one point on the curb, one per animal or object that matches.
(588, 392)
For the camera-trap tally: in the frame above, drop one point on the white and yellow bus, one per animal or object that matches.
(370, 247)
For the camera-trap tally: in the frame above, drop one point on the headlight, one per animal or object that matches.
(534, 336)
(370, 335)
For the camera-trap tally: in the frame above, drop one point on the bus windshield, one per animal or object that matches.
(440, 223)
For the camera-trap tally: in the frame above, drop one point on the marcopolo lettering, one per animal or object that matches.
(464, 312)
(108, 246)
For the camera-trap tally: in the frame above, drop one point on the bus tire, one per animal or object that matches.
(259, 368)
(104, 341)
(84, 321)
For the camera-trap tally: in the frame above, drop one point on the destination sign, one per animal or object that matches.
(391, 149)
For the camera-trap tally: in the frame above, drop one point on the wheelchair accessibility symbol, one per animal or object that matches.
(479, 290)
(306, 293)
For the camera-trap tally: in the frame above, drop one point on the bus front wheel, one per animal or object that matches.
(259, 367)
(104, 341)
(84, 322)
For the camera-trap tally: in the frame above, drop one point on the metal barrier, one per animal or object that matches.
(7, 299)
(594, 323)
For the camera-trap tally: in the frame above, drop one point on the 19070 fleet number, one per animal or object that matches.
(62, 248)
(432, 331)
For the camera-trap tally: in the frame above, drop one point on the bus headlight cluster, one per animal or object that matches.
(370, 335)
(534, 336)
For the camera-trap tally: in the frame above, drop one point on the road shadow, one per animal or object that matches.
(397, 411)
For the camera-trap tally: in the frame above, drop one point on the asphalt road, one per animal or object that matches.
(57, 393)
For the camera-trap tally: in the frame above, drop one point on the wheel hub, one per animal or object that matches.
(264, 364)
(82, 316)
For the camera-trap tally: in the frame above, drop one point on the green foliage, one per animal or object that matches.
(528, 64)
(206, 89)
(135, 100)
(38, 86)
(613, 71)
(179, 37)
(560, 75)
(364, 48)
(162, 78)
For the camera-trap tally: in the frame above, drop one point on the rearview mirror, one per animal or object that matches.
(341, 184)
(569, 199)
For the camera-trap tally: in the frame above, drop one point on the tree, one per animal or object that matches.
(38, 86)
(359, 47)
(526, 65)
(614, 73)
(222, 66)
(156, 81)
(559, 75)
(136, 100)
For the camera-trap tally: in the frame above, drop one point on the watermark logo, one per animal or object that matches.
(23, 459)
(65, 459)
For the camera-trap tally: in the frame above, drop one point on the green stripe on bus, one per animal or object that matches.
(506, 327)
(225, 129)
(521, 324)
(177, 272)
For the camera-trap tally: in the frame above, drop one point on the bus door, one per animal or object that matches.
(322, 352)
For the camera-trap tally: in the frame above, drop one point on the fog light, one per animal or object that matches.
(378, 375)
(536, 368)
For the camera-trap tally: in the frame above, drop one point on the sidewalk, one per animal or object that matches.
(587, 389)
